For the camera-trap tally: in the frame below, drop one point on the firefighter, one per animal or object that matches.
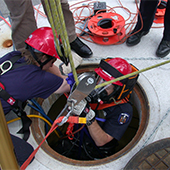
(108, 112)
(113, 101)
(37, 76)
(32, 74)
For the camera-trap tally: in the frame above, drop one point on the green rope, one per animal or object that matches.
(131, 74)
(56, 19)
(50, 18)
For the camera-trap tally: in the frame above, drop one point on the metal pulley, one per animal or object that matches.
(106, 28)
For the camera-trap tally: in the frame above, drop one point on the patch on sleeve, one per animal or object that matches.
(123, 118)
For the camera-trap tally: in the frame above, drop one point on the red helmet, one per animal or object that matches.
(42, 39)
(110, 69)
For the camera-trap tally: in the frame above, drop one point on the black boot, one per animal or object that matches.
(163, 48)
(80, 48)
(135, 39)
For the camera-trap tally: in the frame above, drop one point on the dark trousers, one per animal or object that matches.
(22, 149)
(148, 10)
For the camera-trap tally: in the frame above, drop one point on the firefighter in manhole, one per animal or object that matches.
(108, 111)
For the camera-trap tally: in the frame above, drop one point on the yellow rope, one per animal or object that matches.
(35, 116)
(56, 19)
(131, 74)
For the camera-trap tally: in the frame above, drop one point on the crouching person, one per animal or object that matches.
(29, 75)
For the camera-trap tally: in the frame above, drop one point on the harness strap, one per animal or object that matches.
(106, 105)
(16, 105)
(111, 70)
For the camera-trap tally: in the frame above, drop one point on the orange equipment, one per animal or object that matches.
(160, 12)
(106, 28)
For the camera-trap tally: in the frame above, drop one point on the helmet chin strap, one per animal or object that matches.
(31, 49)
(46, 61)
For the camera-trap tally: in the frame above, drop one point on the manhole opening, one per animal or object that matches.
(54, 104)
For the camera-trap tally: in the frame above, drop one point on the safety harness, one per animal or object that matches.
(16, 105)
(95, 106)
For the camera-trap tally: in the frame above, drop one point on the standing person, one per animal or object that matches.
(111, 103)
(148, 10)
(31, 75)
(23, 24)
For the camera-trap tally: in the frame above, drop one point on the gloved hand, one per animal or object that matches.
(90, 115)
(70, 80)
(83, 108)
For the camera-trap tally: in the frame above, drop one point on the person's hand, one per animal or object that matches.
(70, 80)
(90, 115)
(83, 109)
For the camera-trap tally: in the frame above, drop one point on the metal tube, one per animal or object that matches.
(7, 156)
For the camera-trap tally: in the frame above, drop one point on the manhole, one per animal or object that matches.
(128, 141)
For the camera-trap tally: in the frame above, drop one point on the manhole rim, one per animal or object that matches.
(69, 161)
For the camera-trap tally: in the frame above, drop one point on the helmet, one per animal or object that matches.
(42, 39)
(110, 69)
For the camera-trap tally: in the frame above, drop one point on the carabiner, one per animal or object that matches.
(4, 70)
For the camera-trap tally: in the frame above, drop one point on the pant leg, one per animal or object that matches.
(147, 10)
(22, 149)
(166, 34)
(68, 17)
(69, 21)
(23, 21)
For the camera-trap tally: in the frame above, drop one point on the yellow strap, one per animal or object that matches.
(82, 120)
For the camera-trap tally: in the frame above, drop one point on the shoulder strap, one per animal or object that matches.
(8, 65)
(97, 106)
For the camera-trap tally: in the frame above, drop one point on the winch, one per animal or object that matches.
(106, 28)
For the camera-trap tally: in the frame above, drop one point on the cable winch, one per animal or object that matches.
(106, 28)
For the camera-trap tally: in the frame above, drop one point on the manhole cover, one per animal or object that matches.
(154, 156)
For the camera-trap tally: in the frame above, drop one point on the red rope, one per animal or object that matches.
(72, 119)
(69, 131)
